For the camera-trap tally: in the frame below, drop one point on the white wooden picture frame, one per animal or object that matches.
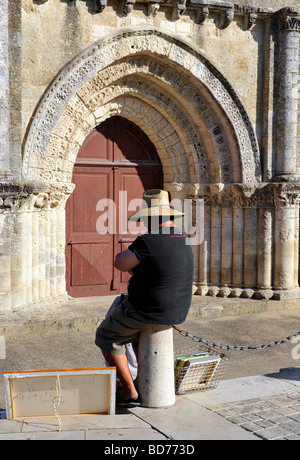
(71, 391)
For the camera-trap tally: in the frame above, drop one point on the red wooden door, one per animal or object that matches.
(117, 162)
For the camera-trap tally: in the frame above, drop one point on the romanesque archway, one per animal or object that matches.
(185, 105)
(187, 108)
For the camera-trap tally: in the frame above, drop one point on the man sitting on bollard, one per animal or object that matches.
(159, 292)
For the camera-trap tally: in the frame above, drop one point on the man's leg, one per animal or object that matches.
(121, 363)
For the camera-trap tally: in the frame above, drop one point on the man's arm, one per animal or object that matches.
(126, 261)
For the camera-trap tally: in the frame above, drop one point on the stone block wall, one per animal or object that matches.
(215, 86)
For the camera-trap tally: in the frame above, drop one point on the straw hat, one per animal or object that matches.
(155, 203)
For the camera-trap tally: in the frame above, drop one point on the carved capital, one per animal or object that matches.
(29, 196)
(253, 195)
(289, 19)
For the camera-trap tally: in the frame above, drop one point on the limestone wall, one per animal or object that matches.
(214, 85)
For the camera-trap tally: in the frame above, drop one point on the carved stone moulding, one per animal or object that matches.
(226, 9)
(248, 293)
(262, 195)
(26, 196)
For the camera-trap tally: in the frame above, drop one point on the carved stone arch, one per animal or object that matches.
(62, 119)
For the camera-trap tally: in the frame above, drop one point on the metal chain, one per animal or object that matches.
(222, 346)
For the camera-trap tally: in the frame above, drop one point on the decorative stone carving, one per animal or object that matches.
(128, 6)
(202, 14)
(250, 20)
(248, 196)
(41, 200)
(56, 103)
(289, 19)
(153, 9)
(179, 9)
(100, 5)
(227, 18)
(287, 95)
(27, 196)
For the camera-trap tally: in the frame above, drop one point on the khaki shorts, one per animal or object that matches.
(122, 326)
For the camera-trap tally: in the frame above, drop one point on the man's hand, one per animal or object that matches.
(126, 261)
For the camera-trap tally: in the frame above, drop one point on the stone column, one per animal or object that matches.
(215, 246)
(53, 230)
(238, 247)
(296, 247)
(60, 251)
(264, 266)
(250, 247)
(287, 106)
(204, 255)
(35, 255)
(226, 245)
(5, 262)
(18, 276)
(156, 379)
(284, 242)
(4, 90)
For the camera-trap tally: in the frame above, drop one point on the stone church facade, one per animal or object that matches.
(213, 84)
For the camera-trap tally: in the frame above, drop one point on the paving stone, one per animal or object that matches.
(265, 423)
(251, 426)
(291, 426)
(273, 433)
(253, 417)
(295, 417)
(270, 418)
(286, 411)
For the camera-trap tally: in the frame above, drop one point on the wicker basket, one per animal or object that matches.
(198, 369)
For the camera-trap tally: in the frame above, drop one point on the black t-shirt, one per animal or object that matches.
(161, 287)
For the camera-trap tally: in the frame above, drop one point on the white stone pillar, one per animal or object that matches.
(5, 262)
(204, 255)
(215, 245)
(35, 255)
(4, 88)
(238, 247)
(156, 380)
(53, 230)
(60, 248)
(264, 266)
(28, 251)
(18, 276)
(226, 245)
(284, 242)
(296, 246)
(250, 247)
(42, 256)
(287, 85)
(47, 219)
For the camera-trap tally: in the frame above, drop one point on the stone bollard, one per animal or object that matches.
(156, 367)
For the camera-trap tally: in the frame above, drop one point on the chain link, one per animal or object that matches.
(222, 346)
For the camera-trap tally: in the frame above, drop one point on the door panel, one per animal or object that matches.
(134, 181)
(116, 162)
(90, 253)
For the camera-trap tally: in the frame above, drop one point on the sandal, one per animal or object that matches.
(127, 402)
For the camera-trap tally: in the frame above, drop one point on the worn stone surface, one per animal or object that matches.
(198, 78)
